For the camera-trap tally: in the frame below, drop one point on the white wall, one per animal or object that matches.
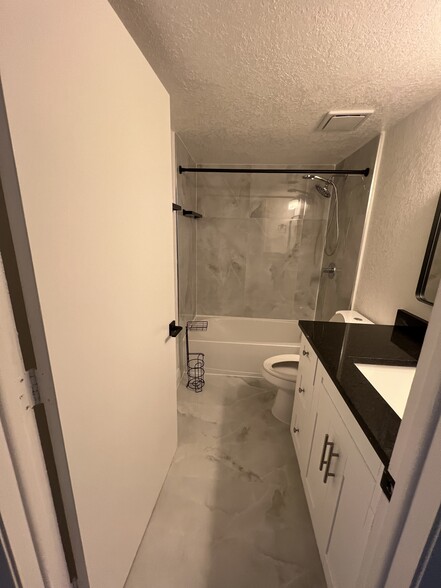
(406, 195)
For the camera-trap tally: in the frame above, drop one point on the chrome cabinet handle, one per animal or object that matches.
(295, 430)
(332, 454)
(325, 445)
(301, 390)
(306, 353)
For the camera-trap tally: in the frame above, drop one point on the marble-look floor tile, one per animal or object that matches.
(232, 512)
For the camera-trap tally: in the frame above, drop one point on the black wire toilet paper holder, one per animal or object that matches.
(195, 361)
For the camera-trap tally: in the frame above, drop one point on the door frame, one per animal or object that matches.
(399, 545)
(15, 535)
(20, 244)
(28, 513)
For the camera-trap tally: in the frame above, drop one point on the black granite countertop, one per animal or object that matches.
(340, 345)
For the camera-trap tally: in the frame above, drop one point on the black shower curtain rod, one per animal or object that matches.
(238, 170)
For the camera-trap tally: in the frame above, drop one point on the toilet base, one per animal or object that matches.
(283, 403)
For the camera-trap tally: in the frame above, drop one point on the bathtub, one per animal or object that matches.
(238, 346)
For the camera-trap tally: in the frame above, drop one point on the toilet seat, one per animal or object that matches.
(284, 366)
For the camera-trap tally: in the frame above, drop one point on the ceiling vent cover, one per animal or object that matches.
(344, 120)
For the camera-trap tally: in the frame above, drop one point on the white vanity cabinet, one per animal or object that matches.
(301, 423)
(341, 474)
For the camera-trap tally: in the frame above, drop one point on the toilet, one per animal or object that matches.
(281, 370)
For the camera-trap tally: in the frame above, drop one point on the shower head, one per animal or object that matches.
(327, 188)
(322, 190)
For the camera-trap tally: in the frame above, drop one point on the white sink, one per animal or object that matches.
(393, 382)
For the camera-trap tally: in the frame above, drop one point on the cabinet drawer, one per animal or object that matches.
(303, 418)
(302, 429)
(307, 362)
(306, 376)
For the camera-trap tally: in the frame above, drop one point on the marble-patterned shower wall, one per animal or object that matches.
(186, 243)
(259, 245)
(353, 194)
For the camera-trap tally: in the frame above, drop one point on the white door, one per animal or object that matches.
(90, 131)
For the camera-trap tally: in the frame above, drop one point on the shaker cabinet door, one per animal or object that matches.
(341, 494)
(325, 471)
(352, 517)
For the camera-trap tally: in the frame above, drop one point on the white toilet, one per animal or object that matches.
(281, 370)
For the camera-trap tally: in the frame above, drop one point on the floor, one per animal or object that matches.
(232, 512)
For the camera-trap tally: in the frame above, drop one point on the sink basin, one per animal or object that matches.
(393, 382)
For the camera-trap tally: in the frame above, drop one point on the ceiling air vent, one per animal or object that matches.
(344, 120)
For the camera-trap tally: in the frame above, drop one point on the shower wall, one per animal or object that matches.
(353, 194)
(186, 243)
(259, 245)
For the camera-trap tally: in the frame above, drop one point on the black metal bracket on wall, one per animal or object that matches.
(174, 329)
(387, 484)
(191, 214)
(187, 213)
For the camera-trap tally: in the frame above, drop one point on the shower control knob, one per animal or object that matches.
(295, 430)
(305, 353)
(301, 390)
(331, 270)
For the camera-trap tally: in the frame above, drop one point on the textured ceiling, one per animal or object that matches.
(250, 80)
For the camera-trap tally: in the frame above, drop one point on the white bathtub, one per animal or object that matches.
(238, 346)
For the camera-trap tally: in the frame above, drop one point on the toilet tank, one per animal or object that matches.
(350, 316)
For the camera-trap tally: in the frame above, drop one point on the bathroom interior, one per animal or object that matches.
(296, 248)
(252, 262)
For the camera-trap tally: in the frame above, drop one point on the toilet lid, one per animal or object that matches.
(282, 366)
